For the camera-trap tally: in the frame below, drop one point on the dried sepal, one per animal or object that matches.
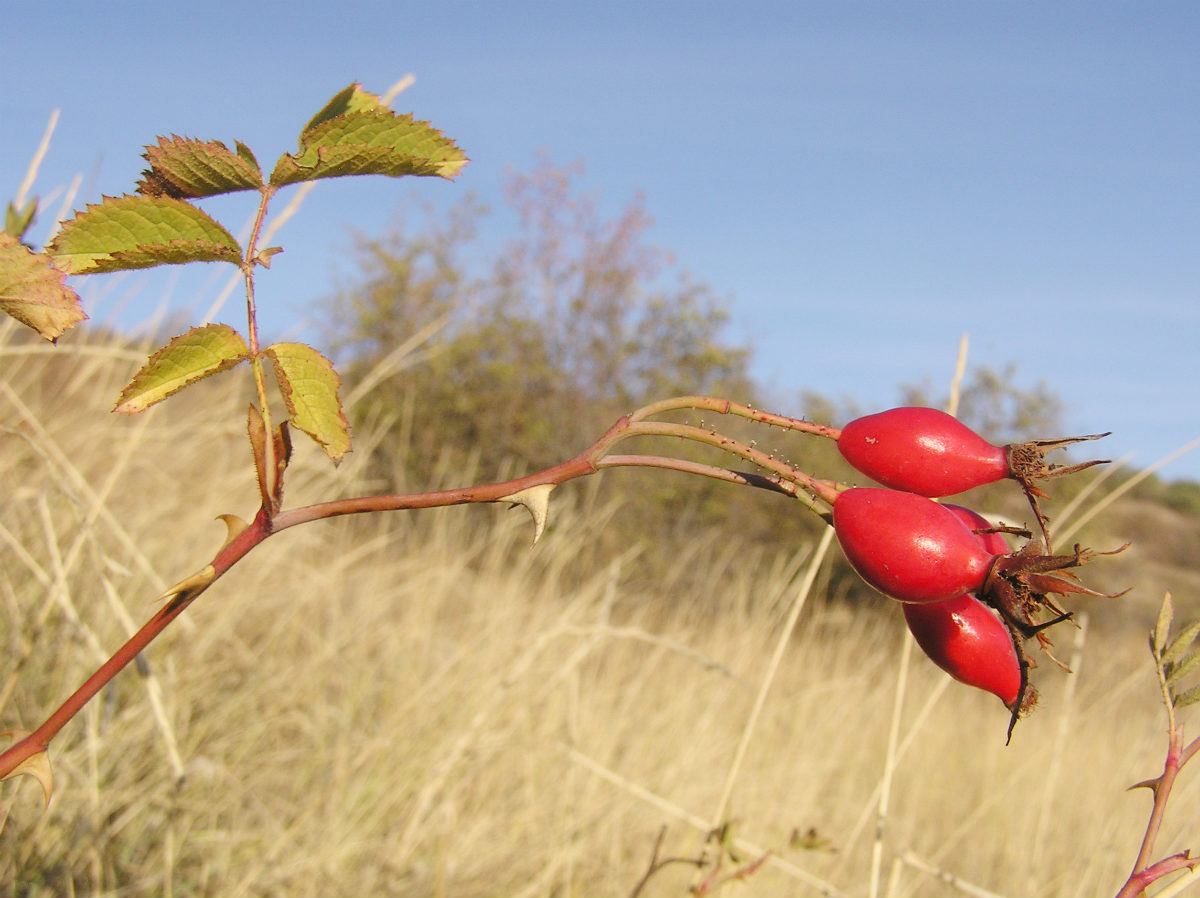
(1027, 465)
(1021, 588)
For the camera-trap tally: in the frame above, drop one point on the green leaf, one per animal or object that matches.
(309, 386)
(200, 352)
(139, 232)
(351, 99)
(1176, 672)
(1179, 645)
(1162, 628)
(18, 221)
(34, 292)
(356, 135)
(248, 157)
(185, 168)
(1188, 698)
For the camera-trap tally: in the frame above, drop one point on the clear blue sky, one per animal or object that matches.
(864, 182)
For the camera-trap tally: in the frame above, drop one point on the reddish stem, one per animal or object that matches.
(587, 462)
(39, 739)
(1139, 882)
(823, 488)
(784, 479)
(1145, 874)
(728, 407)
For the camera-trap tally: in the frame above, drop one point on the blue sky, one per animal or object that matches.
(861, 182)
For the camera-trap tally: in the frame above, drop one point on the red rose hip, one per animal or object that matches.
(922, 450)
(909, 547)
(967, 641)
(992, 541)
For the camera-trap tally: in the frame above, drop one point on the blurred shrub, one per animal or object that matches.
(483, 364)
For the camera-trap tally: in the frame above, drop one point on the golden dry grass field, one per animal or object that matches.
(420, 704)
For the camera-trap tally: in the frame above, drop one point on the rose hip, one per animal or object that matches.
(926, 451)
(921, 450)
(917, 550)
(965, 639)
(909, 547)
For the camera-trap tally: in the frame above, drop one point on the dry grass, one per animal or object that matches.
(420, 704)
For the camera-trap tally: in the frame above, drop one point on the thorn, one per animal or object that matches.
(1152, 785)
(189, 587)
(537, 500)
(233, 527)
(36, 765)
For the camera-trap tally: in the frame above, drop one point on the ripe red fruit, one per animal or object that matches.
(927, 555)
(916, 550)
(968, 641)
(909, 547)
(921, 450)
(926, 451)
(992, 541)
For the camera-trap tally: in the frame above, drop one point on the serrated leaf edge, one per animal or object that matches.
(123, 405)
(173, 149)
(320, 117)
(69, 313)
(61, 259)
(288, 391)
(311, 138)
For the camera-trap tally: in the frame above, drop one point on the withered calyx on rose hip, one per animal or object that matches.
(926, 451)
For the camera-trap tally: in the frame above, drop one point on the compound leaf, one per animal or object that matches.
(34, 292)
(354, 134)
(186, 168)
(139, 232)
(309, 386)
(199, 353)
